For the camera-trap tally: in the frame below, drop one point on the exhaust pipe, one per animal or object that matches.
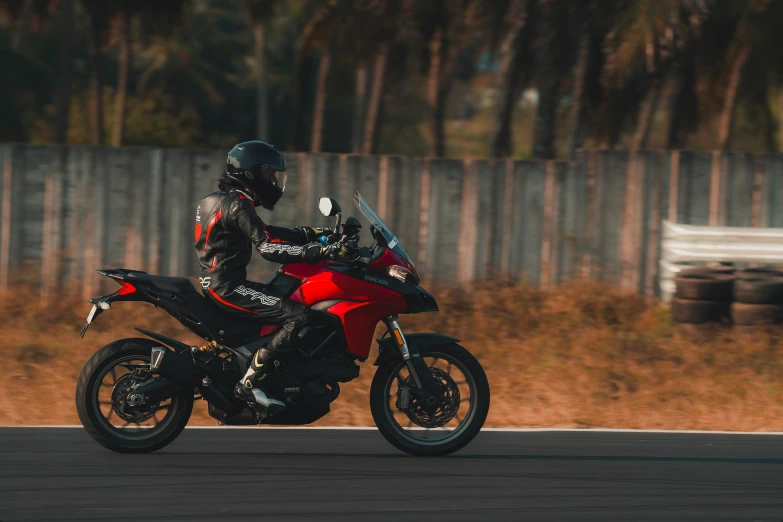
(170, 364)
(228, 404)
(179, 366)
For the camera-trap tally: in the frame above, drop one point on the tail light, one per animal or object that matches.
(126, 289)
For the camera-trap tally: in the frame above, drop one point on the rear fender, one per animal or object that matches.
(418, 345)
(168, 341)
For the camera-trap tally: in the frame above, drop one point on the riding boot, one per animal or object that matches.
(252, 387)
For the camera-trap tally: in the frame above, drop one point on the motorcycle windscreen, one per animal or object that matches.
(375, 220)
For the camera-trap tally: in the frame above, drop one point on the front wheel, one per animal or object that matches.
(411, 426)
(111, 413)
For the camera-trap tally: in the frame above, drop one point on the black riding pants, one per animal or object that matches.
(248, 298)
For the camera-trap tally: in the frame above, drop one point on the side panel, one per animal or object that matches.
(302, 271)
(331, 284)
(359, 321)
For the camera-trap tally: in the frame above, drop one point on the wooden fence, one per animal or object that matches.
(67, 211)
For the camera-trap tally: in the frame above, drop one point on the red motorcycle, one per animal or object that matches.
(429, 396)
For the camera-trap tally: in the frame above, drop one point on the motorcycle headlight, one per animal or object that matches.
(403, 274)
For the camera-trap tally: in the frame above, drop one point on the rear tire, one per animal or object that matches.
(392, 432)
(92, 417)
(697, 312)
(756, 314)
(757, 273)
(764, 290)
(704, 287)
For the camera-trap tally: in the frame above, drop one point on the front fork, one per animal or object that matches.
(402, 345)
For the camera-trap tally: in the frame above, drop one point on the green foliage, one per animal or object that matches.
(193, 73)
(151, 121)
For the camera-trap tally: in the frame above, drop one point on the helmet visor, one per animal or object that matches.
(279, 179)
(275, 177)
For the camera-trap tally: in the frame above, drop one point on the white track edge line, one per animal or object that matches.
(372, 428)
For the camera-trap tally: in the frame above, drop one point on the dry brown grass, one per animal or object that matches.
(582, 355)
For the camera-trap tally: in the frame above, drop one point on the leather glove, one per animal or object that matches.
(339, 252)
(313, 253)
(312, 234)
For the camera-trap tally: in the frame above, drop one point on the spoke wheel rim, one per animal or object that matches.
(459, 422)
(106, 403)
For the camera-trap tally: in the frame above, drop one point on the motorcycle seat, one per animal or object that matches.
(175, 285)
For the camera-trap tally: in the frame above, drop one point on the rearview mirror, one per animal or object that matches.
(329, 207)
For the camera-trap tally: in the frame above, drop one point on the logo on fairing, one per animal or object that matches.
(376, 280)
(198, 214)
(205, 282)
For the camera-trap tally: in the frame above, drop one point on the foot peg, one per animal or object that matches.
(257, 396)
(267, 402)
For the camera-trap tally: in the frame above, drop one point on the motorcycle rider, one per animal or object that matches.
(227, 226)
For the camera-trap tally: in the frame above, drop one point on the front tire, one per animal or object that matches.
(414, 439)
(126, 354)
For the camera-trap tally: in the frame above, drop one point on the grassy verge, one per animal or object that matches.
(581, 355)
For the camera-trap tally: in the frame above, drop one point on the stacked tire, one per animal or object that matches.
(758, 298)
(703, 295)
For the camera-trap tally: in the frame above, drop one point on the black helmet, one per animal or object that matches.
(260, 168)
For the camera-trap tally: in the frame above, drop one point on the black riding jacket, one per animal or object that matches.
(227, 227)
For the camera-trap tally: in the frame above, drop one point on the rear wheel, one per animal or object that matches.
(463, 403)
(110, 412)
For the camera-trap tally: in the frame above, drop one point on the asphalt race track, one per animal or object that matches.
(342, 475)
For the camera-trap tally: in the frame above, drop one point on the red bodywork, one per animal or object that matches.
(361, 305)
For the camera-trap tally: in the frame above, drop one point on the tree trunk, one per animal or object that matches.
(297, 97)
(510, 58)
(19, 37)
(682, 105)
(373, 107)
(546, 122)
(121, 96)
(550, 26)
(262, 118)
(647, 115)
(359, 104)
(577, 94)
(296, 134)
(435, 94)
(769, 123)
(780, 122)
(324, 64)
(96, 87)
(730, 100)
(63, 95)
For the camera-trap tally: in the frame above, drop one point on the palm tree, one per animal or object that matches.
(377, 28)
(448, 28)
(165, 15)
(19, 37)
(316, 34)
(260, 13)
(99, 13)
(646, 42)
(360, 102)
(63, 95)
(590, 33)
(756, 30)
(176, 58)
(124, 59)
(551, 66)
(514, 50)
